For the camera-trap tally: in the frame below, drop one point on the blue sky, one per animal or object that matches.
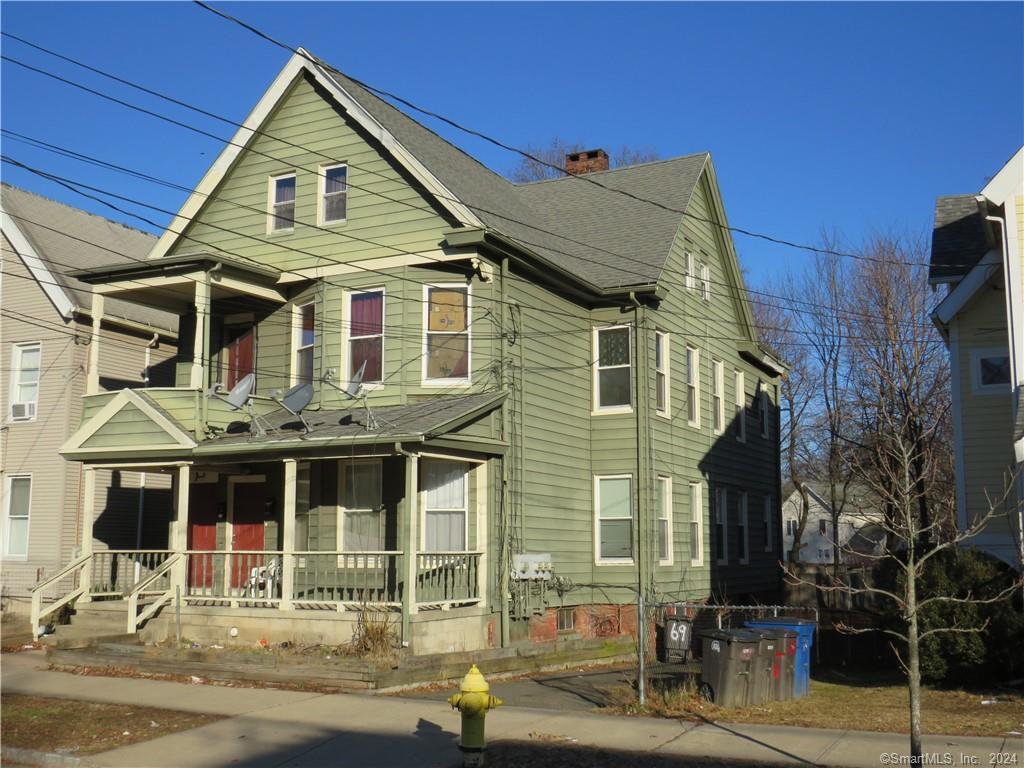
(849, 117)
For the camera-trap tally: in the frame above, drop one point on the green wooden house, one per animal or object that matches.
(497, 411)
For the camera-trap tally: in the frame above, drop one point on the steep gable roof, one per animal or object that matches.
(64, 239)
(638, 235)
(960, 236)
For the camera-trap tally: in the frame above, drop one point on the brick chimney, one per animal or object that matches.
(588, 161)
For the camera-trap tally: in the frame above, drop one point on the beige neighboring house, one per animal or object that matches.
(978, 253)
(44, 348)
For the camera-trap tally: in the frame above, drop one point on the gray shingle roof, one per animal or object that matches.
(568, 206)
(68, 238)
(960, 237)
(393, 422)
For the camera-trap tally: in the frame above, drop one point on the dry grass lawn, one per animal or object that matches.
(861, 706)
(85, 728)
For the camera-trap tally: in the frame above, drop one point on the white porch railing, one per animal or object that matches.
(446, 579)
(65, 585)
(158, 583)
(116, 572)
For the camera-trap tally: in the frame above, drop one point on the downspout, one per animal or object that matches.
(1015, 383)
(147, 359)
(503, 510)
(639, 536)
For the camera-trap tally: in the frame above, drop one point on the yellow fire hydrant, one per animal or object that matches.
(473, 701)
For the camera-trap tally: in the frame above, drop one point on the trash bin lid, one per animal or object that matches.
(731, 635)
(780, 621)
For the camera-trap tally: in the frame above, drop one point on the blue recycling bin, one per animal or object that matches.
(804, 640)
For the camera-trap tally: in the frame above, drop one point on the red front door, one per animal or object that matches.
(202, 533)
(248, 511)
(241, 344)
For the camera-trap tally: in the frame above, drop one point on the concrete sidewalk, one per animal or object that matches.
(303, 730)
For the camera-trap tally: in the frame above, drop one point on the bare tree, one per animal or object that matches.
(894, 432)
(553, 152)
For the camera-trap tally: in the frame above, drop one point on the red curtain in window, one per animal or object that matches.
(367, 314)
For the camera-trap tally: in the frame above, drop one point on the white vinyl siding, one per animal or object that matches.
(445, 499)
(17, 504)
(613, 518)
(696, 524)
(25, 373)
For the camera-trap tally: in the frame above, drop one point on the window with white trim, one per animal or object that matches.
(445, 505)
(333, 194)
(822, 528)
(18, 501)
(990, 370)
(705, 282)
(366, 335)
(663, 503)
(304, 340)
(446, 335)
(721, 512)
(691, 274)
(361, 528)
(282, 203)
(613, 513)
(25, 364)
(693, 386)
(696, 524)
(743, 530)
(739, 405)
(613, 372)
(790, 527)
(717, 396)
(769, 528)
(663, 370)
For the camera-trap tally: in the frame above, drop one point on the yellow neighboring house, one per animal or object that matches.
(978, 253)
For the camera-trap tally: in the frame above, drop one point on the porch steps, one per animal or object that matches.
(94, 622)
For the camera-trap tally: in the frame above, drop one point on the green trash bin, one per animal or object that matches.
(728, 665)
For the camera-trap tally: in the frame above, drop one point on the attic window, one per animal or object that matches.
(334, 200)
(282, 203)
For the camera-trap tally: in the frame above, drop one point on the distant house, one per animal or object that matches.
(45, 347)
(978, 254)
(495, 411)
(859, 534)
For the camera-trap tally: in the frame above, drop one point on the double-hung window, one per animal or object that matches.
(613, 496)
(445, 491)
(718, 395)
(767, 522)
(25, 360)
(662, 367)
(366, 335)
(334, 194)
(721, 526)
(696, 524)
(691, 271)
(303, 342)
(18, 500)
(705, 282)
(446, 334)
(282, 203)
(744, 530)
(663, 501)
(790, 527)
(739, 405)
(762, 409)
(613, 391)
(822, 528)
(693, 386)
(362, 516)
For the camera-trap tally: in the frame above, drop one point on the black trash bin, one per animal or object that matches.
(728, 664)
(676, 638)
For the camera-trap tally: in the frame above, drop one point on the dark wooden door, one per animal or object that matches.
(202, 533)
(241, 344)
(248, 511)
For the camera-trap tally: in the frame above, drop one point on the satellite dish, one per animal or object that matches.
(239, 394)
(297, 398)
(352, 390)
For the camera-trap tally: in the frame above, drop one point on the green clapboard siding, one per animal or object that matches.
(128, 427)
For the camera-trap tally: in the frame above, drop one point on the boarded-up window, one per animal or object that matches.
(447, 333)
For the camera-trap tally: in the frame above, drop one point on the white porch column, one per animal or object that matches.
(88, 514)
(179, 527)
(200, 340)
(92, 379)
(291, 475)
